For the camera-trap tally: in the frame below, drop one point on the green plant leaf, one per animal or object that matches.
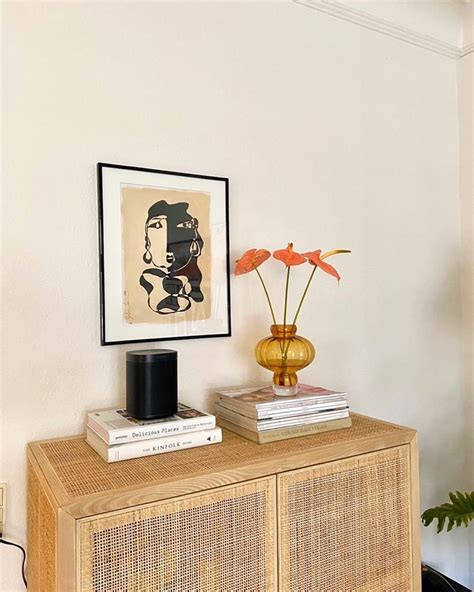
(460, 510)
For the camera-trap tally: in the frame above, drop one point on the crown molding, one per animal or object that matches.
(467, 49)
(363, 19)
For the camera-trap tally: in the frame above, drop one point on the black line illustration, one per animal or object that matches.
(173, 246)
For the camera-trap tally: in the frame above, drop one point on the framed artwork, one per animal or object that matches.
(163, 255)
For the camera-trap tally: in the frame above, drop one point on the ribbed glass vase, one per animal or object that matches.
(284, 354)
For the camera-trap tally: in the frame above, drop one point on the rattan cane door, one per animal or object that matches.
(345, 525)
(221, 540)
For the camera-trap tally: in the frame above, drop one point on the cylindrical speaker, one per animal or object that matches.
(152, 383)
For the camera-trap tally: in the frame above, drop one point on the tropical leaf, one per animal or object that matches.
(460, 510)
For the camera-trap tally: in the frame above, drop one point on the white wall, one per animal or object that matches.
(466, 191)
(332, 136)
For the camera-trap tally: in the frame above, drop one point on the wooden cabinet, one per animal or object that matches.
(345, 525)
(217, 540)
(332, 512)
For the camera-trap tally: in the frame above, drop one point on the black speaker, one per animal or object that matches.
(152, 383)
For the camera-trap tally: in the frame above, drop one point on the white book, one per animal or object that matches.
(151, 447)
(116, 426)
(263, 425)
(286, 433)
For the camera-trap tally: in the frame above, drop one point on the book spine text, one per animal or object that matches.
(146, 432)
(165, 444)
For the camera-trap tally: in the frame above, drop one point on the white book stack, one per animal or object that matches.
(117, 436)
(259, 415)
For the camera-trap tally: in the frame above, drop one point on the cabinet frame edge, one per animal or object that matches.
(128, 497)
(415, 512)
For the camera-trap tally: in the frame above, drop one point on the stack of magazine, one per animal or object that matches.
(259, 415)
(116, 436)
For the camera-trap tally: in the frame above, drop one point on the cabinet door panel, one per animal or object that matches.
(222, 540)
(345, 526)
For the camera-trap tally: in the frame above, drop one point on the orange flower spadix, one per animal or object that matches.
(288, 256)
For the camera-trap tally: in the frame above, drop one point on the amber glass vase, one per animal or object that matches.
(284, 353)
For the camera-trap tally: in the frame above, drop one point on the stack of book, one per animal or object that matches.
(261, 416)
(116, 436)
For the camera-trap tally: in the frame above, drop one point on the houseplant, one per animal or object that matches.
(284, 352)
(459, 511)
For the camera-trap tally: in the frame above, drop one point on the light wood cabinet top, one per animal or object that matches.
(82, 483)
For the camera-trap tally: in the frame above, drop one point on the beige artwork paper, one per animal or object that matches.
(136, 201)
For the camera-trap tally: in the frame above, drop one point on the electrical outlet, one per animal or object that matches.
(3, 499)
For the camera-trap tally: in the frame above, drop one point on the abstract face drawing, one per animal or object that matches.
(173, 246)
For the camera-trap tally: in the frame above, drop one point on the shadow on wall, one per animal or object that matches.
(445, 306)
(434, 581)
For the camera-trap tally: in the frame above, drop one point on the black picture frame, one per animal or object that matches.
(193, 297)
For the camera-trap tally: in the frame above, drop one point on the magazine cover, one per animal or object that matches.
(265, 394)
(261, 402)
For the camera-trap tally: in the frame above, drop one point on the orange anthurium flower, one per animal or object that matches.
(250, 260)
(288, 256)
(315, 259)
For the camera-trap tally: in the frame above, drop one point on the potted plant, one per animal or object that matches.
(285, 352)
(459, 511)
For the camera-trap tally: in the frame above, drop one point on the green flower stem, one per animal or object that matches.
(286, 296)
(284, 349)
(267, 295)
(287, 346)
(304, 295)
(325, 256)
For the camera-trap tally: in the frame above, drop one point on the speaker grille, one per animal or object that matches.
(41, 525)
(214, 542)
(345, 526)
